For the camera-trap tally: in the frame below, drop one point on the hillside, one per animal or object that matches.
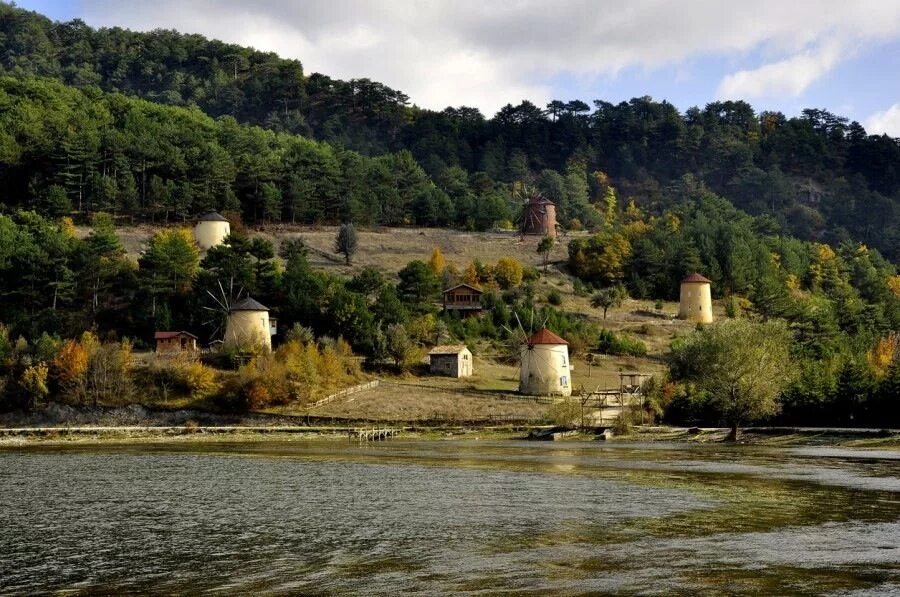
(108, 154)
(816, 176)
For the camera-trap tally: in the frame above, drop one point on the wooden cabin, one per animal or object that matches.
(453, 361)
(463, 299)
(174, 342)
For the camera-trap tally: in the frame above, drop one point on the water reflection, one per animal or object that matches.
(448, 516)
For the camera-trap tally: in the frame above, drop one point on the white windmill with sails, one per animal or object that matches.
(544, 368)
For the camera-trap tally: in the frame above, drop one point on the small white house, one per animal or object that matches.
(453, 361)
(211, 230)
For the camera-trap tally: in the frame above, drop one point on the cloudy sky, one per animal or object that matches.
(842, 55)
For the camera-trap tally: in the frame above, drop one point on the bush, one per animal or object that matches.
(530, 274)
(565, 413)
(554, 297)
(620, 344)
(295, 372)
(580, 288)
(624, 422)
(183, 376)
(508, 273)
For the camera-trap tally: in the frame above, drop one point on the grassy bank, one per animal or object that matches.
(773, 437)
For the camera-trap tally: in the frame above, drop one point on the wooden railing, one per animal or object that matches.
(346, 392)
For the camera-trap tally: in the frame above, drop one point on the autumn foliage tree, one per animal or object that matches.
(437, 262)
(884, 354)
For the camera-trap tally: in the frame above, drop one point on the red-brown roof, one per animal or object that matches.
(478, 290)
(167, 335)
(545, 336)
(695, 277)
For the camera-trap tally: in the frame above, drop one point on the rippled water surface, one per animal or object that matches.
(447, 517)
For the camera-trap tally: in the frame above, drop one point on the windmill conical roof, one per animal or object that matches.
(248, 304)
(213, 216)
(695, 277)
(539, 200)
(545, 336)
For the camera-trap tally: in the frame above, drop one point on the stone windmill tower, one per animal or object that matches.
(248, 325)
(538, 215)
(211, 230)
(544, 365)
(696, 299)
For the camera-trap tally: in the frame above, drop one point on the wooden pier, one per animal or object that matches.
(373, 435)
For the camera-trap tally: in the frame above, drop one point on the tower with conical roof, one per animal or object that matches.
(695, 302)
(544, 365)
(211, 230)
(247, 326)
(539, 216)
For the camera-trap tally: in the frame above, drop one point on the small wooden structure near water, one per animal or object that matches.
(373, 435)
(628, 395)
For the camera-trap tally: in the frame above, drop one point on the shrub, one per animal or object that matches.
(184, 376)
(508, 272)
(295, 372)
(579, 288)
(34, 384)
(69, 367)
(530, 274)
(566, 412)
(620, 344)
(554, 297)
(108, 376)
(624, 422)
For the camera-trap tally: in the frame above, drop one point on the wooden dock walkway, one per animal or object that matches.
(374, 434)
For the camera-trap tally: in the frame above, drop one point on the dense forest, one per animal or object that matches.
(818, 176)
(795, 220)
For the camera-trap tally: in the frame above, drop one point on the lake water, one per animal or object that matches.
(447, 517)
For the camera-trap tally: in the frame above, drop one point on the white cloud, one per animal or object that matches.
(885, 122)
(790, 76)
(485, 53)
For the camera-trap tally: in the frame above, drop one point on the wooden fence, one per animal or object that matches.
(346, 392)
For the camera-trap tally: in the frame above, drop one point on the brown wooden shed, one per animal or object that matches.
(172, 342)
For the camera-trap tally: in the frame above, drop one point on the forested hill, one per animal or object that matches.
(817, 175)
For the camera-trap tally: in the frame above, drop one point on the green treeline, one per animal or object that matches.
(65, 149)
(818, 176)
(795, 220)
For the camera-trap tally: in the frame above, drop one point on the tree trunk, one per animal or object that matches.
(733, 434)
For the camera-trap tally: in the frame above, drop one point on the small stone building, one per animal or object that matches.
(463, 299)
(211, 230)
(539, 217)
(695, 302)
(175, 342)
(454, 361)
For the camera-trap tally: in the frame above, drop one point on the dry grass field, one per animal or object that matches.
(386, 248)
(427, 397)
(421, 401)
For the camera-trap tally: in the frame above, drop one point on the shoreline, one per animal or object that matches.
(137, 434)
